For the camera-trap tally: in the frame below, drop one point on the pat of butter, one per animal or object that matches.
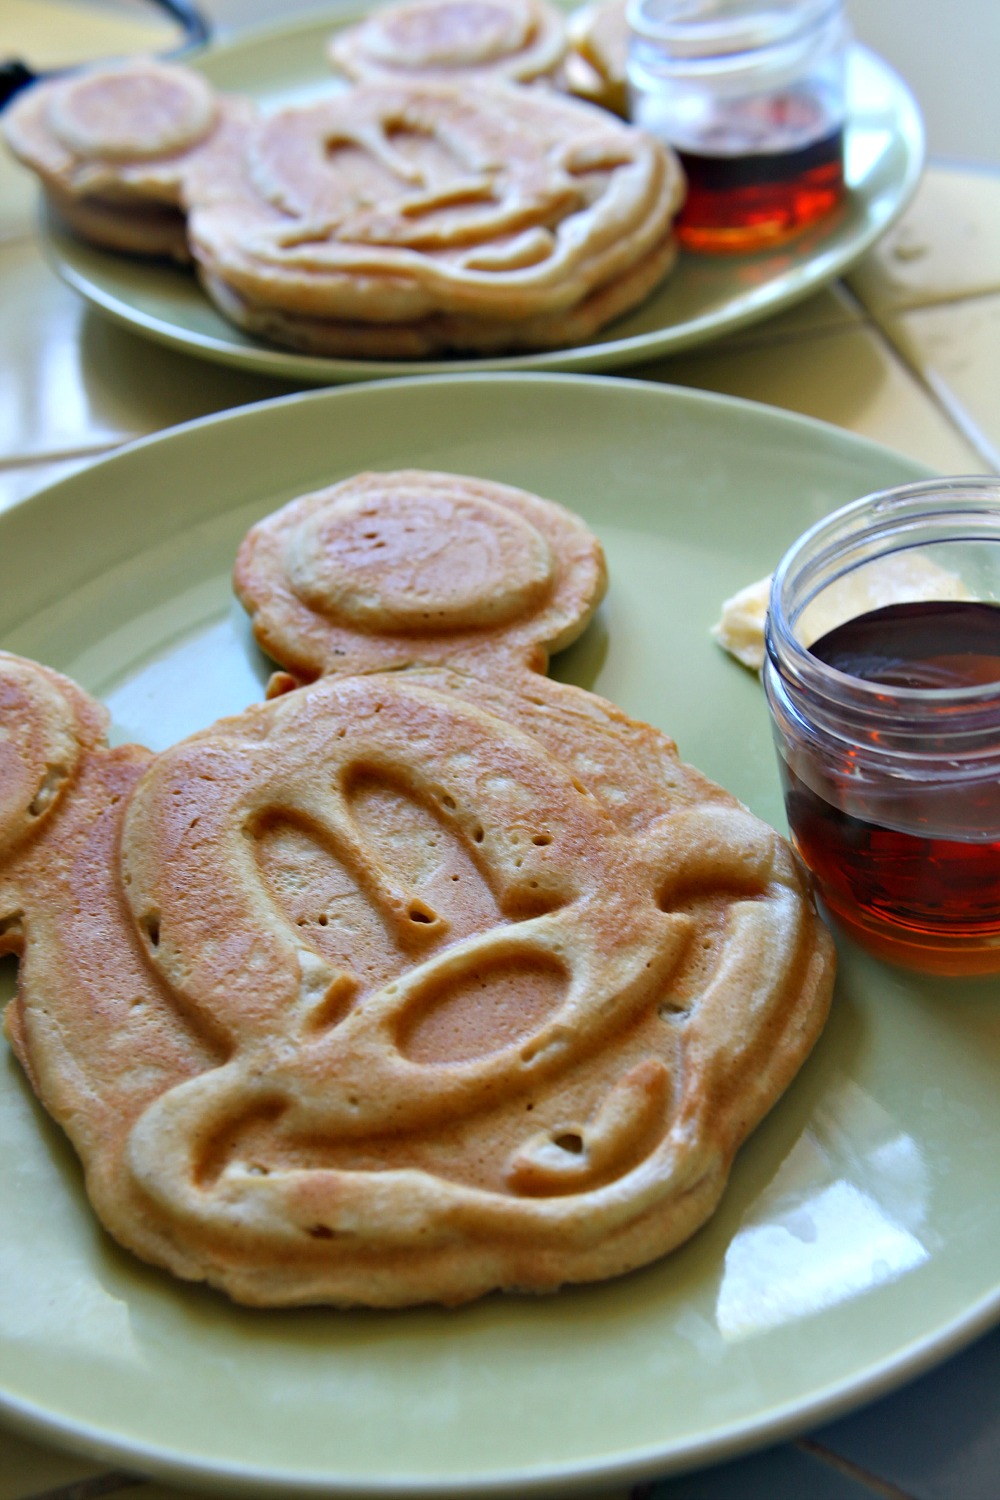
(741, 628)
(902, 578)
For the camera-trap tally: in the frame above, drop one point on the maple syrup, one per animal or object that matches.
(929, 890)
(752, 97)
(883, 680)
(741, 203)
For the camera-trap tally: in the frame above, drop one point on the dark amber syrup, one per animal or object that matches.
(931, 902)
(745, 202)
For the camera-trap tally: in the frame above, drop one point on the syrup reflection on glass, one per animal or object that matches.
(882, 675)
(923, 885)
(752, 97)
(741, 203)
(758, 170)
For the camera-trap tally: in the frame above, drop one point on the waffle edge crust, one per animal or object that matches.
(413, 982)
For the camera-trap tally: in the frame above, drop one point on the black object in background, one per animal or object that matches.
(16, 75)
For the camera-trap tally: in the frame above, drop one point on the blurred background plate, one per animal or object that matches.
(703, 297)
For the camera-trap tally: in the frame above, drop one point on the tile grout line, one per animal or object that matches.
(936, 389)
(109, 1483)
(942, 398)
(923, 304)
(754, 336)
(114, 1481)
(63, 455)
(813, 1449)
(967, 427)
(880, 1487)
(950, 407)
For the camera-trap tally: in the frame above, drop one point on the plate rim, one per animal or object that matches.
(696, 395)
(651, 1465)
(650, 1462)
(255, 356)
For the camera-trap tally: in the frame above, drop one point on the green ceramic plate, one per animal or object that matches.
(857, 1241)
(703, 298)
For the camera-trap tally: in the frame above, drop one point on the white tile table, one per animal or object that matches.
(906, 351)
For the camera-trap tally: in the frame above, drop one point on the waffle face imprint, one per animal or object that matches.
(427, 977)
(399, 220)
(443, 207)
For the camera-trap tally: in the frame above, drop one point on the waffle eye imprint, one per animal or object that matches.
(425, 978)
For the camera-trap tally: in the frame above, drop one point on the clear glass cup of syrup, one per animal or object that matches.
(752, 96)
(882, 675)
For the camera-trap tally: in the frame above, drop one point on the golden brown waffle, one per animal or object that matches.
(397, 220)
(404, 987)
(388, 569)
(411, 984)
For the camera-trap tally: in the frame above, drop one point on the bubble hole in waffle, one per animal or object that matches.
(388, 569)
(112, 145)
(397, 220)
(519, 40)
(401, 987)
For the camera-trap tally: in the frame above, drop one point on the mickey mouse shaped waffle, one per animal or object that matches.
(427, 977)
(402, 216)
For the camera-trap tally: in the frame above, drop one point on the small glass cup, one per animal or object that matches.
(882, 675)
(751, 95)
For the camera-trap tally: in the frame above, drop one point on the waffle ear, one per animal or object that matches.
(391, 569)
(517, 40)
(113, 145)
(46, 723)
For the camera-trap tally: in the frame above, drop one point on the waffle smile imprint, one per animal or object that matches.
(403, 219)
(429, 976)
